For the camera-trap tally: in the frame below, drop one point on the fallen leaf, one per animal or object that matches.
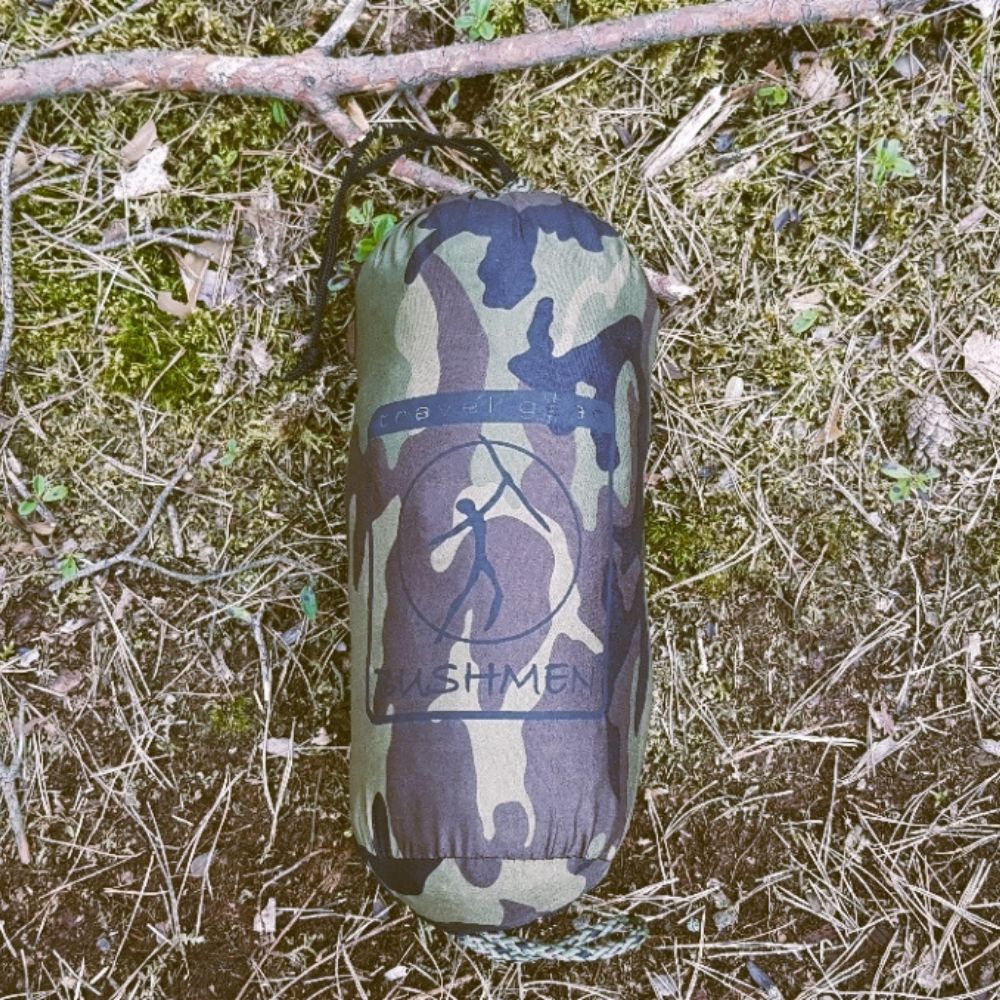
(982, 360)
(68, 680)
(260, 356)
(990, 746)
(668, 287)
(141, 143)
(535, 19)
(357, 115)
(265, 217)
(21, 164)
(196, 275)
(818, 81)
(147, 178)
(200, 865)
(805, 300)
(734, 390)
(882, 719)
(830, 431)
(908, 66)
(193, 271)
(266, 921)
(279, 746)
(971, 221)
(396, 973)
(925, 359)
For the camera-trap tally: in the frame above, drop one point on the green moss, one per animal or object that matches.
(834, 535)
(165, 357)
(687, 536)
(233, 718)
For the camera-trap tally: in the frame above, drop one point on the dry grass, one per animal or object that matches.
(820, 813)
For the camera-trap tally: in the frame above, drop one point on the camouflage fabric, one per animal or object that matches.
(500, 660)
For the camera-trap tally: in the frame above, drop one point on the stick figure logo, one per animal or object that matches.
(482, 562)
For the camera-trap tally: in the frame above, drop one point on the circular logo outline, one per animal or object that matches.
(493, 641)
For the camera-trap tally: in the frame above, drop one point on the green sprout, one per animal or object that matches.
(68, 567)
(278, 113)
(887, 161)
(908, 483)
(225, 160)
(773, 95)
(476, 23)
(308, 603)
(806, 319)
(230, 455)
(376, 228)
(41, 492)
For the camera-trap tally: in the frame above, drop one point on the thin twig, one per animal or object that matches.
(9, 773)
(160, 237)
(337, 31)
(126, 554)
(6, 230)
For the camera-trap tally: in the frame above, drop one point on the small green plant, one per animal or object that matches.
(476, 22)
(225, 160)
(233, 718)
(41, 492)
(308, 603)
(908, 483)
(68, 567)
(806, 319)
(773, 95)
(230, 455)
(887, 161)
(278, 114)
(376, 227)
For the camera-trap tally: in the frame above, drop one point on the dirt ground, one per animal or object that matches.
(819, 816)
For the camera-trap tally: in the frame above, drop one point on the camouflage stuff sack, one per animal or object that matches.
(500, 653)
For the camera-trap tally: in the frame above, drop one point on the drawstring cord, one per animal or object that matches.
(610, 938)
(410, 139)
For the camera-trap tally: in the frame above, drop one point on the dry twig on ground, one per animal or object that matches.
(9, 774)
(6, 256)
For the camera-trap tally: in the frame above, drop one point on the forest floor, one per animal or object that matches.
(820, 811)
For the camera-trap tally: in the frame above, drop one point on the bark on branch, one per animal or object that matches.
(314, 80)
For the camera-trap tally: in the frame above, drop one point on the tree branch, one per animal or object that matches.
(6, 253)
(9, 773)
(337, 31)
(312, 80)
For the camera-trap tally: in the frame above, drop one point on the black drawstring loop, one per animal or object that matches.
(333, 277)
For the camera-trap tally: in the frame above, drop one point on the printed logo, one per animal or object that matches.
(478, 604)
(487, 551)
